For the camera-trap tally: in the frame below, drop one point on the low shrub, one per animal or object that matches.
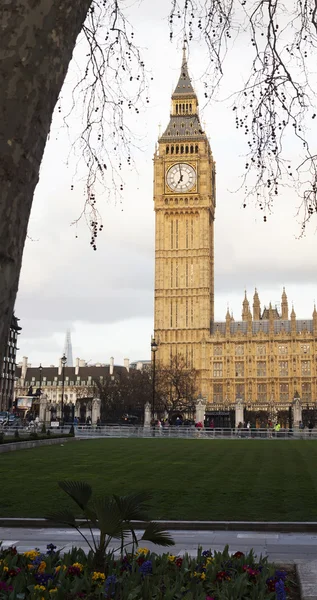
(16, 434)
(34, 435)
(71, 431)
(43, 430)
(1, 437)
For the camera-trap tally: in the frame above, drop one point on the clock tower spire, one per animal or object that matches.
(184, 204)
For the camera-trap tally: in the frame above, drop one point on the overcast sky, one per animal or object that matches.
(106, 297)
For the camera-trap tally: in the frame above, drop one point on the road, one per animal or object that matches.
(280, 547)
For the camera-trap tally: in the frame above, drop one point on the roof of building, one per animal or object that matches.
(183, 126)
(184, 85)
(49, 373)
(280, 326)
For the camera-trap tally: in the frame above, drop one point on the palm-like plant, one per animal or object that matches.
(114, 516)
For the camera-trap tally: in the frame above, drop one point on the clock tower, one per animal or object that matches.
(184, 203)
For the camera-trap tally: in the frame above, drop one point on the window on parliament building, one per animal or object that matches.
(261, 368)
(262, 392)
(284, 392)
(282, 349)
(306, 392)
(305, 348)
(218, 392)
(283, 368)
(305, 368)
(239, 350)
(240, 391)
(218, 369)
(239, 369)
(261, 350)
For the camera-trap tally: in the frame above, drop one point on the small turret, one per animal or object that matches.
(315, 320)
(284, 306)
(293, 321)
(245, 307)
(256, 306)
(271, 319)
(228, 321)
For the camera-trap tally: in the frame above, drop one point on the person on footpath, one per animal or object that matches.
(277, 428)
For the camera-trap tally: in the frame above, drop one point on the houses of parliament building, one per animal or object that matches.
(269, 356)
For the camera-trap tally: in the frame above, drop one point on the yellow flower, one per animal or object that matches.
(209, 560)
(171, 557)
(79, 566)
(5, 569)
(42, 566)
(53, 590)
(59, 567)
(142, 551)
(31, 554)
(40, 588)
(97, 576)
(203, 576)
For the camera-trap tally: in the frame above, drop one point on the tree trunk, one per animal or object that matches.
(36, 44)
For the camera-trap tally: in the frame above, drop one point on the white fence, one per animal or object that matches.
(117, 431)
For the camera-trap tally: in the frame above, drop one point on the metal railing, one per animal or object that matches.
(117, 431)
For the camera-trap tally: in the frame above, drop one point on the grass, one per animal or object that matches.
(190, 479)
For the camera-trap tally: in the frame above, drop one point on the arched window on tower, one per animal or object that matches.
(172, 149)
(182, 149)
(186, 150)
(167, 149)
(196, 148)
(190, 107)
(186, 108)
(192, 149)
(176, 149)
(183, 108)
(177, 109)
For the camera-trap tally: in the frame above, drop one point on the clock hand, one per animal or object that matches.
(181, 176)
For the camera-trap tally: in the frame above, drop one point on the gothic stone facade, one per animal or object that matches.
(264, 358)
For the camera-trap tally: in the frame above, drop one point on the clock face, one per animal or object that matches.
(181, 177)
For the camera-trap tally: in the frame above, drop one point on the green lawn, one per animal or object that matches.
(190, 479)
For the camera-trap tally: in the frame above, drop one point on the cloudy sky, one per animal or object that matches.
(106, 297)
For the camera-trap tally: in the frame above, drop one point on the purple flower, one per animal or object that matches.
(109, 585)
(43, 578)
(280, 575)
(51, 548)
(206, 553)
(146, 568)
(280, 590)
(4, 587)
(38, 559)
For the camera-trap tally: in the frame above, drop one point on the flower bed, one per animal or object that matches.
(142, 576)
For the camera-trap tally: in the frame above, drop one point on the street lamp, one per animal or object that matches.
(64, 361)
(154, 347)
(40, 369)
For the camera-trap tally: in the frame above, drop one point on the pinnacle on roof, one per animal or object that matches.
(184, 86)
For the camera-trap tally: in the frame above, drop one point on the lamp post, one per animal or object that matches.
(154, 347)
(40, 369)
(64, 361)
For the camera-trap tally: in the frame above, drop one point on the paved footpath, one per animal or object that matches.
(286, 548)
(280, 547)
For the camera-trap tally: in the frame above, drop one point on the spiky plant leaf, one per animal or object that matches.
(108, 517)
(65, 517)
(79, 491)
(155, 533)
(134, 507)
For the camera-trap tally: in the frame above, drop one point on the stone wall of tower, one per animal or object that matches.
(184, 239)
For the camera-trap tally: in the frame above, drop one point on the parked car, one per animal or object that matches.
(3, 417)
